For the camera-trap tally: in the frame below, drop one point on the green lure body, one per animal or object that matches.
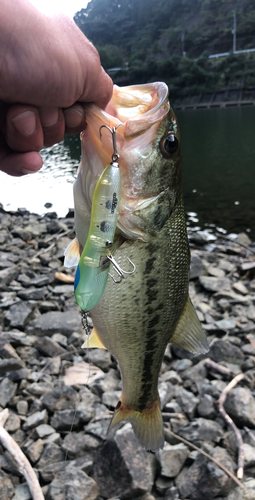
(92, 270)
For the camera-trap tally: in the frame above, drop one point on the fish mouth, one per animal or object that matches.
(136, 108)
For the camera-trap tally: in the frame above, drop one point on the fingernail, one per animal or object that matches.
(74, 116)
(25, 123)
(49, 117)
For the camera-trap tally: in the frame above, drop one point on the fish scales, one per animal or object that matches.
(137, 318)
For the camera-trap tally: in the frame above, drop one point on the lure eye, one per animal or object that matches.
(169, 145)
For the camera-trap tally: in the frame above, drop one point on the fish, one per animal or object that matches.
(137, 318)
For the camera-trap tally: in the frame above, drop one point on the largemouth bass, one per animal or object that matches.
(136, 318)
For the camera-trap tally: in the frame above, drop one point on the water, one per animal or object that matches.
(218, 147)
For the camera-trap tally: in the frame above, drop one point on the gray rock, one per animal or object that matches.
(8, 274)
(64, 420)
(240, 405)
(18, 315)
(214, 284)
(52, 453)
(172, 459)
(216, 271)
(172, 493)
(187, 401)
(110, 399)
(7, 391)
(12, 423)
(204, 479)
(22, 492)
(181, 364)
(100, 358)
(196, 373)
(201, 429)
(53, 438)
(39, 388)
(35, 450)
(99, 428)
(72, 484)
(240, 494)
(56, 322)
(226, 324)
(11, 364)
(122, 467)
(197, 268)
(249, 455)
(222, 350)
(6, 487)
(43, 280)
(206, 407)
(60, 398)
(44, 430)
(77, 444)
(22, 407)
(162, 484)
(49, 347)
(32, 294)
(166, 392)
(37, 418)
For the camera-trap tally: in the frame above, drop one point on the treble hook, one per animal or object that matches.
(115, 155)
(118, 269)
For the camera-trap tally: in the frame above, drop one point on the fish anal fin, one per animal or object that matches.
(72, 254)
(93, 341)
(147, 424)
(189, 333)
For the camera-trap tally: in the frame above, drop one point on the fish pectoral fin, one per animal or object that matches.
(72, 254)
(189, 333)
(147, 424)
(93, 341)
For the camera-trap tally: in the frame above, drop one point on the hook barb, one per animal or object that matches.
(120, 272)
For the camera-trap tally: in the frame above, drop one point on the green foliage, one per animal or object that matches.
(152, 34)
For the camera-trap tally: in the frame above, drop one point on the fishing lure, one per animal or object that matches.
(93, 268)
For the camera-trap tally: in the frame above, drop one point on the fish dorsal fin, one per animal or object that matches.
(189, 333)
(72, 254)
(93, 341)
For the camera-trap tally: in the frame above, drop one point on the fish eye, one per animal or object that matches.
(169, 145)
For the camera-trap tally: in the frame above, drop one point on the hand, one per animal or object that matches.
(48, 70)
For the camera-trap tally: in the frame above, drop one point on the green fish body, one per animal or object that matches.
(136, 319)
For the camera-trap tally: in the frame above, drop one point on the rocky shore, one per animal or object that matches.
(61, 397)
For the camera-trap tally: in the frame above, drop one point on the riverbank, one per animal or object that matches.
(60, 405)
(222, 98)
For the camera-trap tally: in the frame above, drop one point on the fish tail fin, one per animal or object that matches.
(147, 424)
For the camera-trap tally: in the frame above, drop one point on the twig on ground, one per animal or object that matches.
(219, 368)
(240, 462)
(169, 434)
(56, 236)
(24, 466)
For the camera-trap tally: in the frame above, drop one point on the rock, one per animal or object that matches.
(60, 398)
(204, 479)
(72, 484)
(226, 324)
(52, 453)
(216, 271)
(122, 467)
(166, 392)
(39, 388)
(56, 322)
(100, 358)
(11, 364)
(8, 274)
(44, 430)
(77, 444)
(201, 429)
(35, 450)
(12, 423)
(22, 492)
(172, 459)
(111, 399)
(206, 407)
(240, 494)
(214, 284)
(32, 294)
(181, 364)
(18, 315)
(239, 287)
(187, 401)
(49, 347)
(240, 405)
(249, 455)
(222, 350)
(37, 418)
(66, 419)
(197, 268)
(7, 391)
(6, 487)
(172, 493)
(99, 428)
(22, 407)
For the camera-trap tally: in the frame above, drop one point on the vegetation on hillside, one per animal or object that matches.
(151, 36)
